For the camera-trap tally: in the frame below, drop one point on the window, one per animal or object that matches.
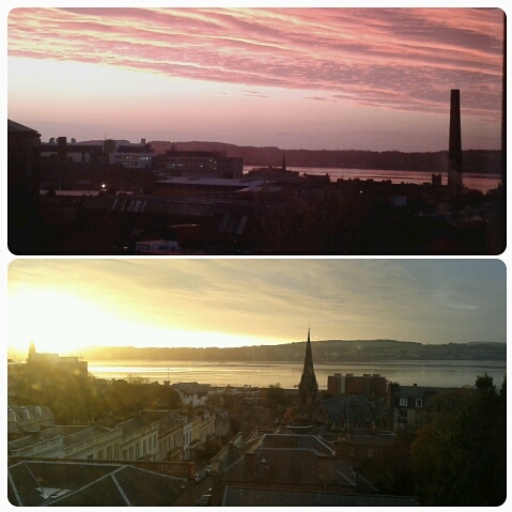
(419, 402)
(403, 414)
(403, 401)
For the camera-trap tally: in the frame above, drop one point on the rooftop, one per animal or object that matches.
(82, 484)
(13, 126)
(236, 496)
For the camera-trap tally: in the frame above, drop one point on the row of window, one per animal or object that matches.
(404, 402)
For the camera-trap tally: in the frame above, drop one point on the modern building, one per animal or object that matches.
(199, 163)
(369, 384)
(112, 152)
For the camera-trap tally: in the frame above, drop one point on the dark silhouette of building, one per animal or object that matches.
(23, 161)
(350, 384)
(455, 143)
(199, 163)
(308, 407)
(44, 370)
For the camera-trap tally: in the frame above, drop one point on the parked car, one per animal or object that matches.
(199, 477)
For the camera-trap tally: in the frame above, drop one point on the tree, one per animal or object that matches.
(275, 395)
(460, 458)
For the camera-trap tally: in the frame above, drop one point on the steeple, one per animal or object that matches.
(31, 352)
(308, 388)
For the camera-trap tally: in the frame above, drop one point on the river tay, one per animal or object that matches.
(287, 374)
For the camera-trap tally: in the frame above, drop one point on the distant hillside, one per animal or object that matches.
(484, 161)
(323, 351)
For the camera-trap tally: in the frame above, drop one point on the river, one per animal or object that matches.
(287, 375)
(476, 181)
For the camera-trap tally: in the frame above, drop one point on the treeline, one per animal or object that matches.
(75, 401)
(456, 459)
(323, 351)
(474, 160)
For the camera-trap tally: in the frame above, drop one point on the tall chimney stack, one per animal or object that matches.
(455, 148)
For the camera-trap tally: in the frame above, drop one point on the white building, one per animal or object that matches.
(139, 439)
(69, 442)
(192, 393)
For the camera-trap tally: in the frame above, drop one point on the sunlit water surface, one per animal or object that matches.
(287, 375)
(476, 181)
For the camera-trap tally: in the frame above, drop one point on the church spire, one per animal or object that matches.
(31, 351)
(308, 387)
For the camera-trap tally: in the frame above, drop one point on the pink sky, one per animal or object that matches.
(377, 79)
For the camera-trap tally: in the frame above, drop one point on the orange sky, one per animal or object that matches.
(376, 79)
(65, 304)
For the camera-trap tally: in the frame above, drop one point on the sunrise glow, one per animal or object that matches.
(66, 305)
(294, 78)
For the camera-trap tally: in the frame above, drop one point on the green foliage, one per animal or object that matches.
(460, 458)
(275, 396)
(75, 400)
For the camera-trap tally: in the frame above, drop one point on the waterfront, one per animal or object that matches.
(287, 374)
(476, 181)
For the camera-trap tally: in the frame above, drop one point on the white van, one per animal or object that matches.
(157, 247)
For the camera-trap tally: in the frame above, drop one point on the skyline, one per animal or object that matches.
(65, 305)
(327, 78)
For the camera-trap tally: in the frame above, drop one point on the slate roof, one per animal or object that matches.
(70, 435)
(13, 126)
(290, 459)
(25, 418)
(133, 425)
(40, 483)
(264, 497)
(292, 441)
(353, 410)
(191, 388)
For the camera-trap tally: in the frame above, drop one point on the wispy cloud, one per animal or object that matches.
(428, 301)
(403, 59)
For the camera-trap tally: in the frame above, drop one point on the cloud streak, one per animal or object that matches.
(402, 59)
(275, 300)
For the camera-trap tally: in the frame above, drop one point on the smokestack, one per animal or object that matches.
(455, 148)
(62, 143)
